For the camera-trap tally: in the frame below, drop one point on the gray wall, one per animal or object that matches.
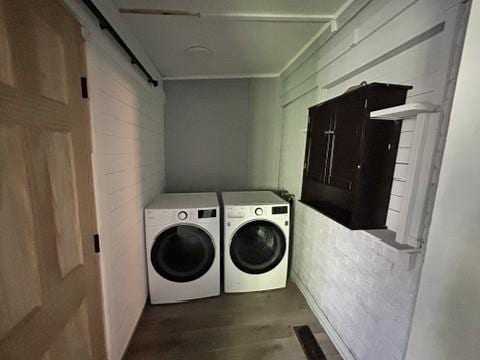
(207, 135)
(265, 133)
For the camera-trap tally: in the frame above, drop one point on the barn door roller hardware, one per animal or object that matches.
(293, 18)
(105, 25)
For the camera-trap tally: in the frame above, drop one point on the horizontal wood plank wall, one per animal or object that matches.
(400, 174)
(410, 42)
(417, 51)
(127, 117)
(292, 151)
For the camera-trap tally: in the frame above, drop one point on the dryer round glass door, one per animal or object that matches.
(257, 247)
(182, 253)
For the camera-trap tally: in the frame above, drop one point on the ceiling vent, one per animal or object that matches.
(198, 52)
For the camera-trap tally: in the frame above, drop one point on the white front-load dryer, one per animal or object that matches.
(182, 234)
(256, 233)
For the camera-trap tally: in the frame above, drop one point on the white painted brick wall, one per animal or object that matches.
(365, 290)
(362, 291)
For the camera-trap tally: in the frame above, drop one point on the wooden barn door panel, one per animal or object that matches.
(50, 304)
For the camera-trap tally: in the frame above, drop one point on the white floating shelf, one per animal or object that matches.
(393, 250)
(403, 111)
(388, 238)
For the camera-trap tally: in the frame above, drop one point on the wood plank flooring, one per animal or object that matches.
(250, 326)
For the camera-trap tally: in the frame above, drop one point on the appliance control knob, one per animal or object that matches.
(258, 211)
(182, 215)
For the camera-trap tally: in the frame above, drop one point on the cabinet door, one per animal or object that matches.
(318, 143)
(345, 148)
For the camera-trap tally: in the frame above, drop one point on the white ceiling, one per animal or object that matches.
(240, 48)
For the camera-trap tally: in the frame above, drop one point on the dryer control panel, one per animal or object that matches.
(255, 211)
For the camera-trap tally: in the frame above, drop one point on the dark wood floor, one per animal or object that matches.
(250, 326)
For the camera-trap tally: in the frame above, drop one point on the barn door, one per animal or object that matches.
(50, 302)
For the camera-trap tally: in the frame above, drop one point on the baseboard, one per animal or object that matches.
(327, 326)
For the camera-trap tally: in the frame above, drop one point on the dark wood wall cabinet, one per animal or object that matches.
(350, 158)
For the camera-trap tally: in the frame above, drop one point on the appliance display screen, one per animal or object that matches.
(209, 213)
(279, 210)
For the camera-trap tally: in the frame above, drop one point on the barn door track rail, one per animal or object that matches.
(105, 25)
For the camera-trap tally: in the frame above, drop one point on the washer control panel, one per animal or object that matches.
(258, 211)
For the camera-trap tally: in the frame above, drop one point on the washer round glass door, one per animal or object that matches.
(257, 247)
(182, 253)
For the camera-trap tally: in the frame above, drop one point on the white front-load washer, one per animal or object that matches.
(182, 233)
(256, 233)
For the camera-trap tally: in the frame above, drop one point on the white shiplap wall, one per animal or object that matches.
(127, 119)
(401, 173)
(294, 130)
(128, 162)
(362, 292)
